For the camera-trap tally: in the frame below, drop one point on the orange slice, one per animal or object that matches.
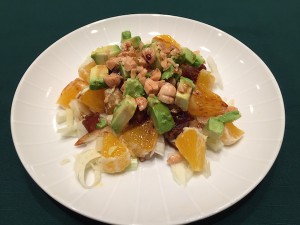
(206, 103)
(191, 145)
(231, 134)
(167, 39)
(70, 92)
(94, 99)
(115, 156)
(85, 69)
(206, 79)
(140, 139)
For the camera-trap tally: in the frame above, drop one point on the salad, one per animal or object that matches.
(131, 100)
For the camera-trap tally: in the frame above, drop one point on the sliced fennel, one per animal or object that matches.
(133, 164)
(89, 159)
(160, 146)
(69, 117)
(214, 144)
(181, 172)
(61, 116)
(81, 130)
(78, 109)
(206, 170)
(214, 70)
(68, 129)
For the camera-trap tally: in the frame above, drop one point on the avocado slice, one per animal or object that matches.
(188, 56)
(160, 115)
(168, 73)
(198, 61)
(102, 123)
(125, 35)
(102, 54)
(123, 112)
(146, 45)
(215, 125)
(184, 91)
(125, 74)
(229, 116)
(134, 88)
(135, 41)
(157, 62)
(97, 75)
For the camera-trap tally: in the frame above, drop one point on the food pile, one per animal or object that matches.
(134, 98)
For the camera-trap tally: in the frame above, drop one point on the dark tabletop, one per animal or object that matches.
(270, 28)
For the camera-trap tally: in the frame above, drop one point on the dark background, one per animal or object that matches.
(270, 28)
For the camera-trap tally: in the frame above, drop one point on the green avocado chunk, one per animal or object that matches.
(198, 61)
(123, 112)
(184, 91)
(188, 56)
(125, 35)
(125, 74)
(168, 73)
(97, 75)
(134, 88)
(215, 125)
(229, 116)
(102, 123)
(157, 62)
(146, 45)
(160, 115)
(102, 54)
(135, 41)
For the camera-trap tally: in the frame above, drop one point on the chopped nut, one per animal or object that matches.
(151, 87)
(113, 80)
(167, 93)
(174, 158)
(129, 63)
(141, 103)
(112, 62)
(156, 75)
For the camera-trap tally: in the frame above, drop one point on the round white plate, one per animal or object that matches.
(149, 195)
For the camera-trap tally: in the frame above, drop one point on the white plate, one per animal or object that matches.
(149, 195)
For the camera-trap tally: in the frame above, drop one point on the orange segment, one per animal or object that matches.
(167, 39)
(85, 69)
(206, 103)
(231, 134)
(70, 92)
(191, 144)
(94, 99)
(115, 155)
(206, 79)
(140, 139)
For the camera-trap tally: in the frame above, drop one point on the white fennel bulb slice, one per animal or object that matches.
(214, 70)
(181, 172)
(88, 160)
